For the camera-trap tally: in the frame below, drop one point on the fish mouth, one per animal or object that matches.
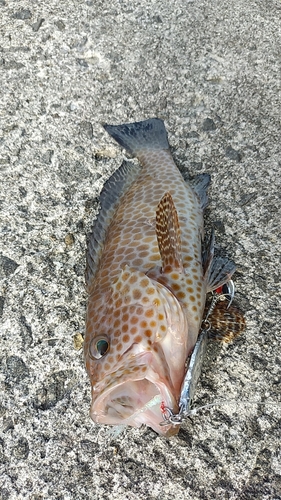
(135, 402)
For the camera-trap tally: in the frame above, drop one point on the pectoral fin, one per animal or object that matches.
(168, 235)
(219, 272)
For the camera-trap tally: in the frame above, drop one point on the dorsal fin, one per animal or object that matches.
(114, 188)
(168, 234)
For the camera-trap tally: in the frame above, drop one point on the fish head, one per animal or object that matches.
(135, 352)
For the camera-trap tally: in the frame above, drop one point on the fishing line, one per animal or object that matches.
(180, 418)
(219, 402)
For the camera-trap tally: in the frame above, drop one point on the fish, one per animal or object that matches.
(148, 274)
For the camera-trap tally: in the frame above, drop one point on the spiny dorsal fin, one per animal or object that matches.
(114, 188)
(168, 234)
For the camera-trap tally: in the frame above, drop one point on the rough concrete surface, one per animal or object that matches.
(211, 70)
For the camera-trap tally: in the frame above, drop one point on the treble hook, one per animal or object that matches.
(225, 291)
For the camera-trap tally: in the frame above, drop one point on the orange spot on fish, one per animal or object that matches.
(137, 294)
(125, 290)
(118, 303)
(148, 333)
(145, 300)
(133, 279)
(144, 282)
(149, 313)
(137, 262)
(154, 258)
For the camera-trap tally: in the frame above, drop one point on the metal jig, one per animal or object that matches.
(196, 360)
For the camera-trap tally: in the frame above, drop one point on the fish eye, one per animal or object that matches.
(98, 347)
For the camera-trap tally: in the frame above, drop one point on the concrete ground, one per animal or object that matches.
(211, 70)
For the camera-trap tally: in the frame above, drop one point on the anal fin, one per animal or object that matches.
(200, 185)
(219, 272)
(208, 250)
(168, 234)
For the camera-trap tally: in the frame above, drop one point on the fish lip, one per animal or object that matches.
(149, 412)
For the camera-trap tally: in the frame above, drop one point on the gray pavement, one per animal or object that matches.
(211, 70)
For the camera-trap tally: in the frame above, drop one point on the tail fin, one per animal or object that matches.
(140, 136)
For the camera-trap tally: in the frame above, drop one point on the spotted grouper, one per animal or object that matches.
(147, 279)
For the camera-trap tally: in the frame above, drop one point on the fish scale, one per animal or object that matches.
(146, 283)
